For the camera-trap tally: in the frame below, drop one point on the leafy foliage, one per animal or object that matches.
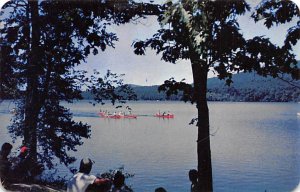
(194, 30)
(111, 173)
(8, 87)
(172, 87)
(39, 53)
(209, 30)
(279, 12)
(110, 87)
(276, 12)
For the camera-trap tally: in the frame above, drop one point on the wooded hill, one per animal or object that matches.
(248, 87)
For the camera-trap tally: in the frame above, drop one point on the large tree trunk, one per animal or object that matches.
(32, 106)
(200, 71)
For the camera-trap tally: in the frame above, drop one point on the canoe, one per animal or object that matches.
(130, 116)
(164, 116)
(114, 116)
(117, 116)
(102, 114)
(121, 116)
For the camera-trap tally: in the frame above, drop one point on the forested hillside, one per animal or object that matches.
(252, 87)
(246, 87)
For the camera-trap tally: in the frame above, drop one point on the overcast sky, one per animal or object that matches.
(150, 69)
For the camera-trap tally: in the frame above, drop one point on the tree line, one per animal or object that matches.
(245, 88)
(248, 87)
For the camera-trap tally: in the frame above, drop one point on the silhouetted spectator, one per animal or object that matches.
(81, 180)
(193, 176)
(23, 165)
(160, 189)
(5, 164)
(119, 183)
(26, 168)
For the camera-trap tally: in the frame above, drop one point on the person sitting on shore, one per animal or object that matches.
(5, 164)
(119, 183)
(81, 180)
(160, 189)
(23, 166)
(193, 176)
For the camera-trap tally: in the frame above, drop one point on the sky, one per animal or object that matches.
(150, 69)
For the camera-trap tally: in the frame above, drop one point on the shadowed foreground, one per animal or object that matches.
(32, 188)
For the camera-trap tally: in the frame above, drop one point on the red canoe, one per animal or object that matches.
(164, 115)
(130, 116)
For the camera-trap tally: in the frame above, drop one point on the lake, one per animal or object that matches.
(255, 146)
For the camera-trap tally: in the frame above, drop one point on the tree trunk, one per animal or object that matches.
(200, 71)
(32, 106)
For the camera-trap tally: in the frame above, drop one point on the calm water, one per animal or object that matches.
(255, 146)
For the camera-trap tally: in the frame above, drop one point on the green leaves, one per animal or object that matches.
(139, 48)
(58, 133)
(276, 12)
(172, 87)
(110, 87)
(66, 34)
(280, 12)
(292, 37)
